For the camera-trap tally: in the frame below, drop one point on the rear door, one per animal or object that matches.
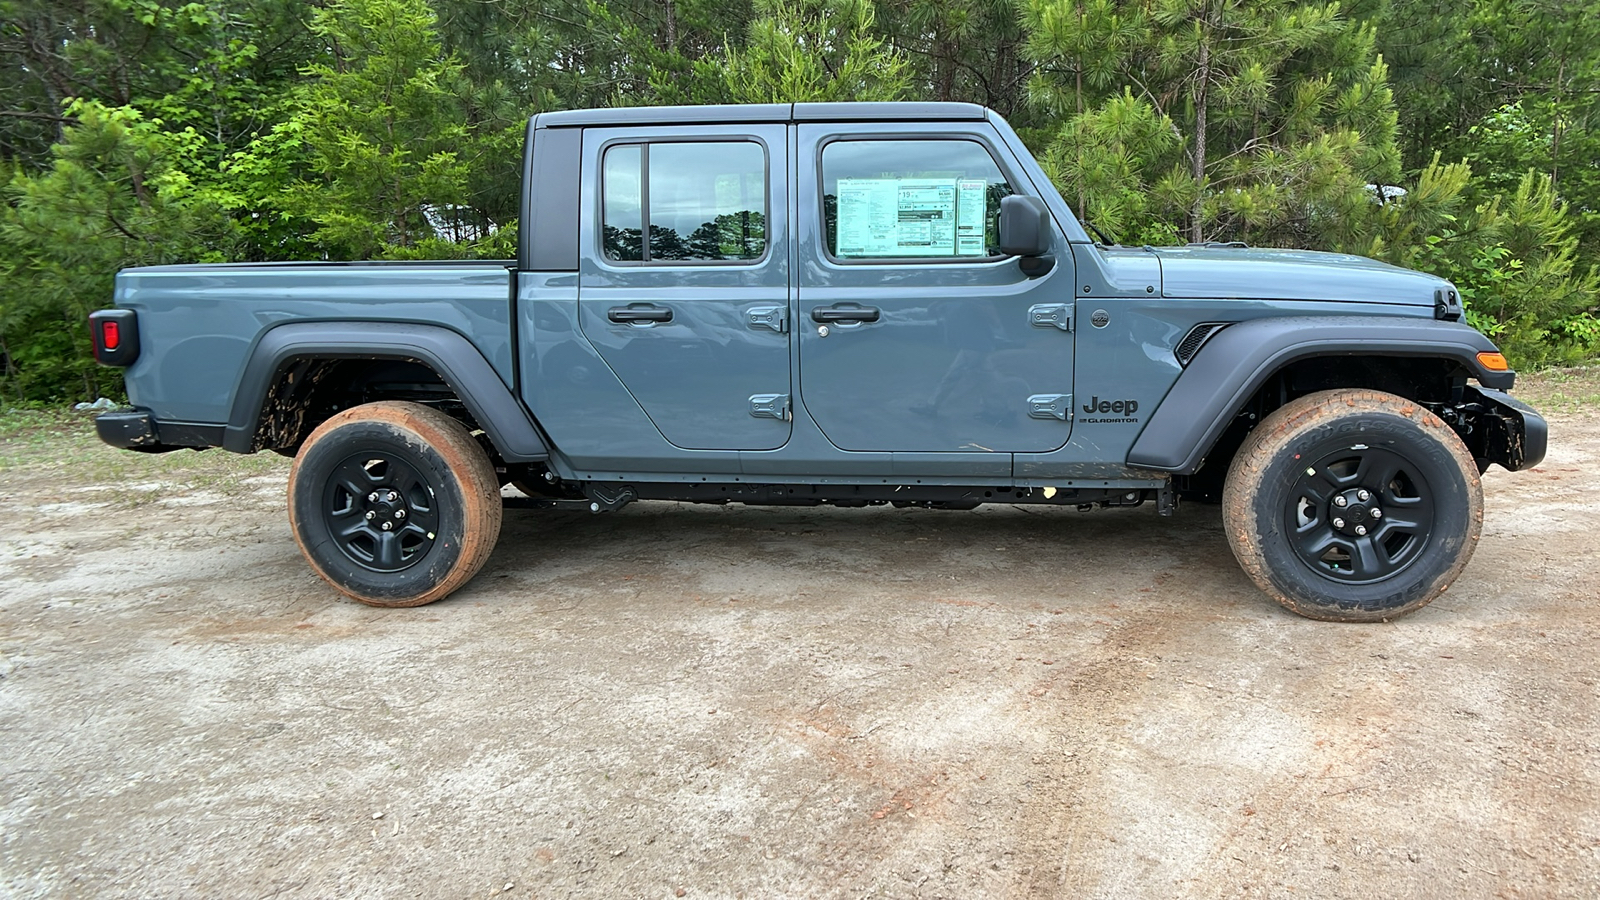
(916, 333)
(684, 279)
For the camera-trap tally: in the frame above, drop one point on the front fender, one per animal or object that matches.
(1239, 359)
(449, 354)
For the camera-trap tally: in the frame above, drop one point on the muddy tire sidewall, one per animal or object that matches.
(1265, 471)
(458, 473)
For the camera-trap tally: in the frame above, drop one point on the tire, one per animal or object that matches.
(1298, 506)
(408, 466)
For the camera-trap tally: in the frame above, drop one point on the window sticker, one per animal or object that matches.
(906, 217)
(971, 196)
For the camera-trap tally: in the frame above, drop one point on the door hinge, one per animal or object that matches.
(1050, 406)
(770, 406)
(774, 317)
(1044, 315)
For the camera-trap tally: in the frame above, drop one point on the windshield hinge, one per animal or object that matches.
(1044, 315)
(770, 406)
(773, 317)
(1050, 406)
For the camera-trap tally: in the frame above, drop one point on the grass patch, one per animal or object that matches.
(49, 441)
(36, 435)
(1574, 390)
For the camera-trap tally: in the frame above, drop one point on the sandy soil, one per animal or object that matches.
(680, 701)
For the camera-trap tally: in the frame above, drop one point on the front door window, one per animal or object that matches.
(929, 200)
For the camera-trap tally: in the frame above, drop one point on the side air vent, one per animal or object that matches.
(1195, 339)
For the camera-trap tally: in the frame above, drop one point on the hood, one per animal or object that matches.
(1250, 273)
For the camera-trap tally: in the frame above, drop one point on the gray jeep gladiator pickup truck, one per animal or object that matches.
(845, 303)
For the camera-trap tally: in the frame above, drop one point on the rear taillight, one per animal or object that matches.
(115, 333)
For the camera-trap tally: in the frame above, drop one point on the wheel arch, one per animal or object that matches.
(1232, 369)
(449, 356)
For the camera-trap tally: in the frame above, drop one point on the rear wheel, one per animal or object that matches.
(394, 503)
(1353, 506)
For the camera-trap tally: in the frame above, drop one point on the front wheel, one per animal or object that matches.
(394, 503)
(1353, 506)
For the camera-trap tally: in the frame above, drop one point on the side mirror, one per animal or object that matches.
(1024, 226)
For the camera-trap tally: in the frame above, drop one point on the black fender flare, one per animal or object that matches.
(1239, 359)
(452, 356)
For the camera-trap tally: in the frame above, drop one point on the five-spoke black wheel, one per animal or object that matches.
(394, 503)
(384, 514)
(1360, 514)
(1353, 505)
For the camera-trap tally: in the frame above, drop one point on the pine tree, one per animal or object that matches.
(1283, 110)
(380, 130)
(119, 192)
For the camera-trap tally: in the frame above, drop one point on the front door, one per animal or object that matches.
(684, 286)
(916, 334)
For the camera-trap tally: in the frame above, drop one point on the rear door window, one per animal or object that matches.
(684, 202)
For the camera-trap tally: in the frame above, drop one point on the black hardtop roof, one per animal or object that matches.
(763, 112)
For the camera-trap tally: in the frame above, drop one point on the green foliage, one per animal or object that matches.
(813, 50)
(1115, 164)
(148, 131)
(119, 192)
(1516, 263)
(962, 50)
(1276, 114)
(804, 50)
(377, 128)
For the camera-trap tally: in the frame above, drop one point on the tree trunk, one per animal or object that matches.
(1202, 83)
(1555, 137)
(1077, 68)
(944, 67)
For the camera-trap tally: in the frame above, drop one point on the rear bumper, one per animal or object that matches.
(135, 429)
(1512, 433)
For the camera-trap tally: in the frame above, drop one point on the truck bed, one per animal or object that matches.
(203, 320)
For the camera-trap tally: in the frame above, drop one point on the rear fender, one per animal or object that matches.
(463, 368)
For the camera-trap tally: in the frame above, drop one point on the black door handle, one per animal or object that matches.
(843, 313)
(646, 313)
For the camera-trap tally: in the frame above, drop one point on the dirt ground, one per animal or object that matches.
(742, 702)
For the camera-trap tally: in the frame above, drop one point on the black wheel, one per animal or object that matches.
(1353, 506)
(394, 503)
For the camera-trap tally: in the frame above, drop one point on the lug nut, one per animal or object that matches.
(1377, 513)
(388, 525)
(371, 515)
(373, 496)
(393, 496)
(399, 514)
(1363, 496)
(1338, 523)
(1340, 500)
(1361, 529)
